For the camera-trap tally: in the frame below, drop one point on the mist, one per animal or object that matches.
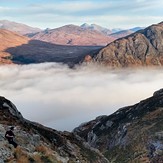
(63, 98)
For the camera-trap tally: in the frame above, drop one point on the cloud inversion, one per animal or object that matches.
(63, 98)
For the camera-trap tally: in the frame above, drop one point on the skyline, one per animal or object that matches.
(55, 13)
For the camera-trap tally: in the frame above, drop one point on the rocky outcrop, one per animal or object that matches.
(38, 143)
(143, 48)
(131, 134)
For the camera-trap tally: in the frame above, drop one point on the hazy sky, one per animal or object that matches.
(62, 98)
(107, 13)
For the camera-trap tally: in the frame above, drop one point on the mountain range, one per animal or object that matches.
(73, 35)
(142, 48)
(69, 34)
(131, 134)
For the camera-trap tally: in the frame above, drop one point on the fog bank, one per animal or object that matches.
(63, 98)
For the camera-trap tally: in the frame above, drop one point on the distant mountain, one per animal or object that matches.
(115, 32)
(15, 48)
(131, 134)
(18, 27)
(97, 28)
(143, 48)
(73, 35)
(123, 33)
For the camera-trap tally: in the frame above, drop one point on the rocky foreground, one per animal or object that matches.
(131, 134)
(39, 144)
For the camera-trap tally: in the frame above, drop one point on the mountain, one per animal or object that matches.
(115, 32)
(18, 49)
(124, 33)
(18, 27)
(97, 28)
(143, 48)
(73, 35)
(37, 143)
(9, 39)
(131, 134)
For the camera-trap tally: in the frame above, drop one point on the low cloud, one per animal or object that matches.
(63, 98)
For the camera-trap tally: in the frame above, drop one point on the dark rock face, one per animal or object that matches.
(133, 133)
(143, 48)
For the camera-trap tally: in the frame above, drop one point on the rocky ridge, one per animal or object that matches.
(38, 143)
(131, 134)
(143, 48)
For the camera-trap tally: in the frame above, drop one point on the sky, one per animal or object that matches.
(63, 98)
(107, 13)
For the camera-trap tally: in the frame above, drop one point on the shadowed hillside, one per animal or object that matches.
(36, 51)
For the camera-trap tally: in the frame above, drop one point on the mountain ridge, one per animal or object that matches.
(142, 48)
(131, 134)
(38, 143)
(73, 35)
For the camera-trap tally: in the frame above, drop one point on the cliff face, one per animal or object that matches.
(143, 48)
(38, 143)
(131, 134)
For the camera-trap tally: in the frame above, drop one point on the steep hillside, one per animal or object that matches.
(38, 52)
(9, 39)
(143, 48)
(73, 35)
(38, 143)
(18, 27)
(131, 134)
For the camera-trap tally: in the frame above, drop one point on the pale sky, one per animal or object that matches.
(107, 13)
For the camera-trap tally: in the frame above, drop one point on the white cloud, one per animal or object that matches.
(120, 13)
(62, 98)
